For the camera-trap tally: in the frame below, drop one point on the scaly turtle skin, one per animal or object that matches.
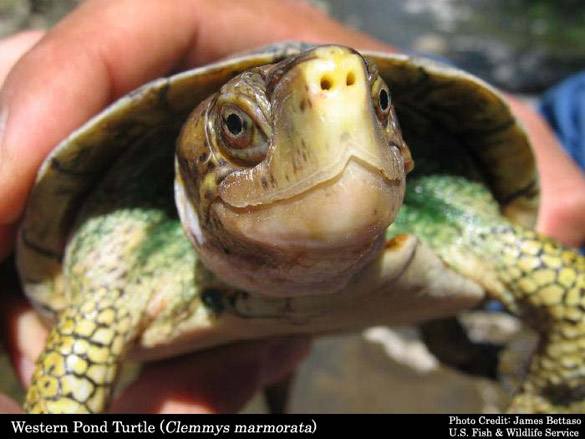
(289, 170)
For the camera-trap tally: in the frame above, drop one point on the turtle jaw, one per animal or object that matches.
(312, 243)
(344, 214)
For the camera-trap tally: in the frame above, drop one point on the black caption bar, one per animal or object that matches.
(220, 426)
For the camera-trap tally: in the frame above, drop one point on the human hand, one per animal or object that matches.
(106, 48)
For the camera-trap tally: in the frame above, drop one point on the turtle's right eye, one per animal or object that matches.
(240, 136)
(236, 126)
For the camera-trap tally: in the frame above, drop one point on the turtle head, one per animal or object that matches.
(293, 170)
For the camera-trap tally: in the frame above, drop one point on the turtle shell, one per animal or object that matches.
(455, 115)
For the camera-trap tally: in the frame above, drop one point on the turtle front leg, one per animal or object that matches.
(535, 277)
(548, 286)
(112, 274)
(78, 367)
(542, 282)
(126, 248)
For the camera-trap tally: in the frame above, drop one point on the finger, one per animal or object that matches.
(220, 380)
(23, 332)
(562, 201)
(240, 25)
(12, 48)
(26, 341)
(106, 48)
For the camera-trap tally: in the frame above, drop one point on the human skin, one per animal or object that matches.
(104, 49)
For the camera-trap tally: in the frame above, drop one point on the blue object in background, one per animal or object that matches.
(564, 108)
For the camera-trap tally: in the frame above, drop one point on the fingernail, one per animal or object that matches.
(284, 355)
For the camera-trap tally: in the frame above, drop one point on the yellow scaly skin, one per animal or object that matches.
(548, 282)
(77, 368)
(535, 277)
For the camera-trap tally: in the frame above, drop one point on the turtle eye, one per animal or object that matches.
(384, 101)
(381, 99)
(240, 136)
(236, 127)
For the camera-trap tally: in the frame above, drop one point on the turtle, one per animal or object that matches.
(267, 194)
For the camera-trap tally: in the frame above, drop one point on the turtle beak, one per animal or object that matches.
(330, 176)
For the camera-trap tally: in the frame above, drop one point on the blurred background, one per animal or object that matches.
(522, 46)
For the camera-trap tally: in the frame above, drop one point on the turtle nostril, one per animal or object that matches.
(329, 81)
(350, 79)
(326, 82)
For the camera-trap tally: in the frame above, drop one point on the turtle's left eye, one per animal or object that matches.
(240, 136)
(236, 126)
(381, 99)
